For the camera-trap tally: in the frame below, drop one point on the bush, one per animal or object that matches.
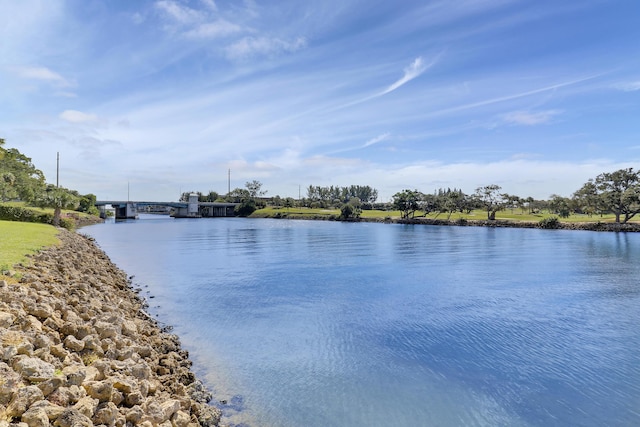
(68, 223)
(550, 222)
(245, 208)
(16, 213)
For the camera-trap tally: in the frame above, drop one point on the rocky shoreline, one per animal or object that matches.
(78, 349)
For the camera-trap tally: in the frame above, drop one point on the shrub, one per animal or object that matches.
(68, 223)
(16, 213)
(550, 222)
(245, 208)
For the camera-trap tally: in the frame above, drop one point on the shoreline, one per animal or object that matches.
(633, 227)
(78, 348)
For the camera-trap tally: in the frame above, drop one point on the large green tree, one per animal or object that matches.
(617, 192)
(407, 202)
(490, 198)
(19, 178)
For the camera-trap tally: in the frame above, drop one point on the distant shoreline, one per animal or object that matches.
(633, 227)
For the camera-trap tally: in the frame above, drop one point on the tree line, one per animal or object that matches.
(21, 180)
(616, 193)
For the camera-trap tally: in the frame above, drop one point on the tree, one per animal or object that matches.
(407, 202)
(87, 203)
(617, 192)
(511, 201)
(560, 205)
(7, 186)
(288, 203)
(352, 209)
(246, 207)
(587, 199)
(57, 198)
(237, 195)
(19, 178)
(490, 199)
(254, 187)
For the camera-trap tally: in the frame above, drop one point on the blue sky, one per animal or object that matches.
(166, 96)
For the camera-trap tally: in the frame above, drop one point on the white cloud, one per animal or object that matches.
(629, 86)
(74, 116)
(252, 46)
(181, 14)
(42, 74)
(219, 28)
(377, 139)
(415, 69)
(194, 23)
(210, 4)
(530, 118)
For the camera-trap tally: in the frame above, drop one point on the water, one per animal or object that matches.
(305, 323)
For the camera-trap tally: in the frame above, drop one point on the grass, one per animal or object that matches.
(47, 210)
(18, 239)
(515, 215)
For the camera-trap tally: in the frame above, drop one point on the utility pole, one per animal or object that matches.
(229, 183)
(57, 169)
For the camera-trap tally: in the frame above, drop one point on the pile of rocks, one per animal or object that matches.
(78, 349)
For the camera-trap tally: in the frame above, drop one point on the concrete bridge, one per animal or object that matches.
(191, 209)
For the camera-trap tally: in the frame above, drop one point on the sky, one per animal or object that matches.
(148, 99)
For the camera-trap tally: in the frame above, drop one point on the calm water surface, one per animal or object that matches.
(305, 323)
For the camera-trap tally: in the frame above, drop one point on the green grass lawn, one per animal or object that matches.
(18, 239)
(515, 215)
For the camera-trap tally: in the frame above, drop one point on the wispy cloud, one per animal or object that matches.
(43, 74)
(196, 23)
(181, 14)
(415, 69)
(253, 46)
(74, 116)
(516, 95)
(628, 86)
(219, 28)
(530, 118)
(377, 139)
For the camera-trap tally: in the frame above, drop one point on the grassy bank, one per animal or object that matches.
(18, 239)
(478, 215)
(22, 212)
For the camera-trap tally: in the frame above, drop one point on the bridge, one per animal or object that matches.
(191, 209)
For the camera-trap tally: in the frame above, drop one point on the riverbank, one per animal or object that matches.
(548, 223)
(78, 349)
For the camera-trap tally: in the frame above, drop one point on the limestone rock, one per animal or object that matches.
(41, 311)
(52, 384)
(6, 319)
(86, 406)
(100, 390)
(77, 348)
(22, 399)
(34, 369)
(170, 407)
(107, 414)
(9, 383)
(72, 418)
(36, 417)
(52, 410)
(134, 414)
(73, 344)
(180, 419)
